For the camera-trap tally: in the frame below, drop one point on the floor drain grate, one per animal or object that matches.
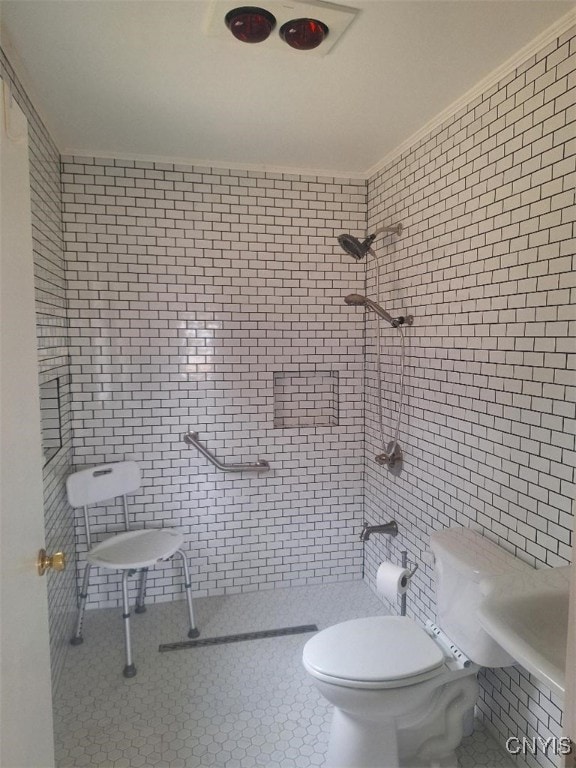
(238, 638)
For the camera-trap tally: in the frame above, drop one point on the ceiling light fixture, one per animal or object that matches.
(250, 25)
(303, 34)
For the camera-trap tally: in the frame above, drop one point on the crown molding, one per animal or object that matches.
(508, 66)
(316, 173)
(26, 82)
(520, 57)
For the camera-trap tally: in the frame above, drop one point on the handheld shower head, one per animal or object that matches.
(356, 300)
(357, 249)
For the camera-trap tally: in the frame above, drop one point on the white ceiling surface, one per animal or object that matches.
(127, 78)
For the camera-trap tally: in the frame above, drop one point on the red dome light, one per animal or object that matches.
(303, 34)
(250, 25)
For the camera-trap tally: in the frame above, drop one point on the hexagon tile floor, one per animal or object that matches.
(240, 705)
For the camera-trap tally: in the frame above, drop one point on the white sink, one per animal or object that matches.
(527, 614)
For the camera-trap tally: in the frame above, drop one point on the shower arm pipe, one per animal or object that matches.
(191, 438)
(390, 229)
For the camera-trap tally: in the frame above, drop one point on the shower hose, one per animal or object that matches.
(379, 367)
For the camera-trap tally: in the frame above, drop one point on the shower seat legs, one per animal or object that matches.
(193, 631)
(77, 638)
(140, 600)
(129, 669)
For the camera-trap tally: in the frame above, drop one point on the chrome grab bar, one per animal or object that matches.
(191, 438)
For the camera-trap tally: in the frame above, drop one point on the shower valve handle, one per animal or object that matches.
(391, 457)
(403, 320)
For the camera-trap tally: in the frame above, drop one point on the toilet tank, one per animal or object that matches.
(463, 558)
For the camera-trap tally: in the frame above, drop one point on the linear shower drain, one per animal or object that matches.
(238, 638)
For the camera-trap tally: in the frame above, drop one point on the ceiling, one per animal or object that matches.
(142, 78)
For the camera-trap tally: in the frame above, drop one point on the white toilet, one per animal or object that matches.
(402, 694)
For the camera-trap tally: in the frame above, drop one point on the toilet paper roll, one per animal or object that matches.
(392, 580)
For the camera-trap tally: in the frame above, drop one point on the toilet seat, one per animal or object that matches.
(374, 652)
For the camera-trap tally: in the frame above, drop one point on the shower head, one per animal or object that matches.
(354, 247)
(356, 300)
(357, 249)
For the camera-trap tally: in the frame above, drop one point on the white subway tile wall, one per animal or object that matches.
(53, 359)
(486, 265)
(191, 292)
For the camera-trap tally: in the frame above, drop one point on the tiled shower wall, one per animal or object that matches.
(213, 300)
(53, 360)
(486, 265)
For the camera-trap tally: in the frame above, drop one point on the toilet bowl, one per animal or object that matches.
(399, 700)
(403, 696)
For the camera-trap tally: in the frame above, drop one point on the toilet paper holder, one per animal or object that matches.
(408, 578)
(410, 574)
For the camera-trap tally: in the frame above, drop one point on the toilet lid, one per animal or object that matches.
(378, 648)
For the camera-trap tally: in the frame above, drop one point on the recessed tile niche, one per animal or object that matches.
(50, 418)
(305, 399)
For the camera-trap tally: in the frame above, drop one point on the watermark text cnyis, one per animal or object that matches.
(553, 745)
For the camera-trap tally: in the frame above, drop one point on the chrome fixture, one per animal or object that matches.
(367, 530)
(357, 249)
(356, 300)
(191, 438)
(391, 457)
(412, 572)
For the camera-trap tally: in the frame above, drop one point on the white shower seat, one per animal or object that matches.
(128, 551)
(136, 549)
